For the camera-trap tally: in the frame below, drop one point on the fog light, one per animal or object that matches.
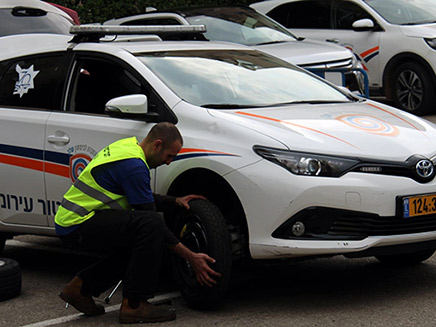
(298, 229)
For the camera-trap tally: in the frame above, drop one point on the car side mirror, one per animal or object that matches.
(133, 106)
(361, 25)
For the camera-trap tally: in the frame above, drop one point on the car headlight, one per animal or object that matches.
(431, 42)
(309, 164)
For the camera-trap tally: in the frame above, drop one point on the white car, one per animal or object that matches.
(32, 16)
(395, 39)
(292, 166)
(244, 25)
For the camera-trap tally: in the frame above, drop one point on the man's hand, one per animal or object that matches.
(184, 200)
(199, 263)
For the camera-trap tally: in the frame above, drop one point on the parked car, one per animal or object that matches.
(395, 39)
(70, 12)
(292, 166)
(245, 26)
(32, 16)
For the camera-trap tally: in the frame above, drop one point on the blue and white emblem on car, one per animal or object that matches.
(26, 77)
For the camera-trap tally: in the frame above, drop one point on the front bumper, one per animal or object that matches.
(280, 249)
(345, 215)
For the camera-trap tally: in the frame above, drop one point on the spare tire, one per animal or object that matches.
(10, 279)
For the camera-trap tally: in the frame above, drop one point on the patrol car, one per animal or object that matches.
(292, 165)
(395, 40)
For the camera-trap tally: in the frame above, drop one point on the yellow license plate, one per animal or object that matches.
(419, 205)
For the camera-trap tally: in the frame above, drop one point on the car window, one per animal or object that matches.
(32, 82)
(238, 25)
(405, 12)
(97, 80)
(152, 21)
(37, 21)
(211, 78)
(346, 13)
(303, 14)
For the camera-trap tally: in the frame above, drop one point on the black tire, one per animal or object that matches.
(2, 243)
(203, 229)
(414, 90)
(10, 279)
(406, 259)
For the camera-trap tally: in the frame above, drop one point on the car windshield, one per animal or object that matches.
(13, 21)
(238, 25)
(234, 78)
(405, 12)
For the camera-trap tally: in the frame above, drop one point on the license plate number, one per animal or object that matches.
(419, 205)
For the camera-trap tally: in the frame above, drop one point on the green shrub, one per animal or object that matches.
(98, 11)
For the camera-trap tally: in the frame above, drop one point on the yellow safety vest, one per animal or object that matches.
(85, 195)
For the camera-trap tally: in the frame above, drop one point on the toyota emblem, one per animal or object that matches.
(424, 168)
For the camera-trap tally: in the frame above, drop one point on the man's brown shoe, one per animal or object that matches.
(72, 295)
(146, 312)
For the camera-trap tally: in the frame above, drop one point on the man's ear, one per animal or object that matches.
(157, 145)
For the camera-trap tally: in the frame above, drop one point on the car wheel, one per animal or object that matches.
(407, 258)
(414, 88)
(10, 279)
(203, 229)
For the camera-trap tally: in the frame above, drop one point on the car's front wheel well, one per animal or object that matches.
(217, 190)
(394, 63)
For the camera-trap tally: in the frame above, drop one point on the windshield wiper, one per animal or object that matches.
(419, 23)
(310, 102)
(231, 106)
(270, 42)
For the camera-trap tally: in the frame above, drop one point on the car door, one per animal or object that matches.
(29, 90)
(75, 135)
(332, 21)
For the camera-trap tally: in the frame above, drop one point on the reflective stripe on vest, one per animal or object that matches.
(86, 195)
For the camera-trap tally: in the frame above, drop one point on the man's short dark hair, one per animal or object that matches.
(167, 132)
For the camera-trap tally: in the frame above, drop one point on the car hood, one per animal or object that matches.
(428, 30)
(306, 52)
(368, 129)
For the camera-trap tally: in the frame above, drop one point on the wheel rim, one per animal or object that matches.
(193, 236)
(409, 90)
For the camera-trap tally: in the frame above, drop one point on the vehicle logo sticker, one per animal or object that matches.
(25, 79)
(424, 168)
(186, 153)
(370, 124)
(285, 122)
(78, 162)
(369, 54)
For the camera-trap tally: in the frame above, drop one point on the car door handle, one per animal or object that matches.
(59, 138)
(332, 40)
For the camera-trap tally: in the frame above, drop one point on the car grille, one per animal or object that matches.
(336, 224)
(347, 63)
(364, 227)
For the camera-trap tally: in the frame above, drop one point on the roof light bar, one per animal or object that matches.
(132, 30)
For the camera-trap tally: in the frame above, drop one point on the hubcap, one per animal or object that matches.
(409, 90)
(193, 236)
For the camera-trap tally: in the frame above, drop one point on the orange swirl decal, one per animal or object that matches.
(369, 124)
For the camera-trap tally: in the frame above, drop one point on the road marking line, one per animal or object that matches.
(156, 300)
